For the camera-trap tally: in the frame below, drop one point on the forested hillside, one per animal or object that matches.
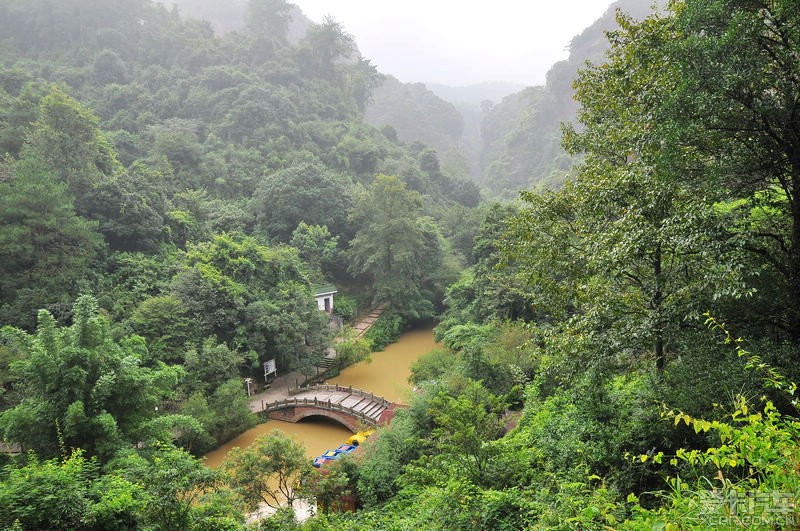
(413, 113)
(168, 200)
(619, 352)
(508, 138)
(522, 134)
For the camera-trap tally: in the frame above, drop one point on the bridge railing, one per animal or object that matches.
(321, 404)
(342, 389)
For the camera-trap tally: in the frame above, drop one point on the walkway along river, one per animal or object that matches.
(386, 375)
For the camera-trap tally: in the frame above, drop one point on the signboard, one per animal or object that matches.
(269, 368)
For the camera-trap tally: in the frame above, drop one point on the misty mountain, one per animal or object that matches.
(521, 135)
(508, 136)
(493, 91)
(417, 114)
(229, 16)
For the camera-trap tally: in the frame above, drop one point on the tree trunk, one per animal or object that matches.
(658, 300)
(793, 306)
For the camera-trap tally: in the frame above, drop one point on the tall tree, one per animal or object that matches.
(638, 248)
(46, 250)
(305, 192)
(328, 44)
(396, 246)
(736, 110)
(272, 470)
(68, 142)
(268, 20)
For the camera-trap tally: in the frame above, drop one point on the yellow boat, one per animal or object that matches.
(359, 437)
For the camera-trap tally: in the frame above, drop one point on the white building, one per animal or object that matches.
(324, 295)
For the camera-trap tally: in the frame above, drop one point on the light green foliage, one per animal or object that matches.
(498, 355)
(132, 278)
(346, 307)
(325, 45)
(317, 248)
(71, 494)
(352, 351)
(268, 23)
(748, 476)
(179, 492)
(272, 471)
(81, 388)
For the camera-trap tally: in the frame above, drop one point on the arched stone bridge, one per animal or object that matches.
(353, 408)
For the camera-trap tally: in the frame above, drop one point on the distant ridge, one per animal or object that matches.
(493, 91)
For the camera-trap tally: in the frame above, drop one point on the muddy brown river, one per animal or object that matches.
(386, 374)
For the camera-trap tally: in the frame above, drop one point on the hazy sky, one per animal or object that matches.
(461, 42)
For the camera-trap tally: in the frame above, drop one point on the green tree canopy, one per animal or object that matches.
(396, 246)
(82, 388)
(272, 470)
(305, 192)
(46, 250)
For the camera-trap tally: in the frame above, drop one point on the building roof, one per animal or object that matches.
(324, 289)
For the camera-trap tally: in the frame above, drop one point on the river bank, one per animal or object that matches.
(385, 374)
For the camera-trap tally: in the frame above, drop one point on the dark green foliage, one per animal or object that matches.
(302, 193)
(401, 251)
(253, 297)
(385, 331)
(433, 366)
(385, 458)
(211, 365)
(273, 470)
(180, 492)
(46, 249)
(345, 307)
(149, 162)
(164, 323)
(318, 249)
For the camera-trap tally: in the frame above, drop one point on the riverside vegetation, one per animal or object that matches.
(168, 198)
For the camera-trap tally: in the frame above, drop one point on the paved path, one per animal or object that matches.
(279, 388)
(367, 322)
